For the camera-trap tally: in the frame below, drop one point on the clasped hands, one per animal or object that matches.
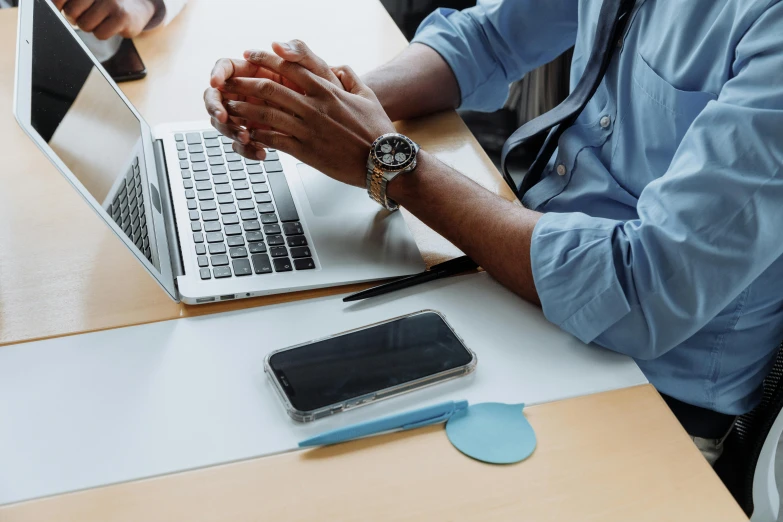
(290, 99)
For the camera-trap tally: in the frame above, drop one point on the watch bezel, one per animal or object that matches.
(396, 168)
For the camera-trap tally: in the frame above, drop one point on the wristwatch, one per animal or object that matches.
(391, 154)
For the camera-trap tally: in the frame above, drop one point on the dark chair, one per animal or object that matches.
(747, 465)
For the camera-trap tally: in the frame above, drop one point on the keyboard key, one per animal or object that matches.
(251, 162)
(266, 208)
(195, 226)
(181, 146)
(205, 194)
(201, 249)
(226, 139)
(187, 183)
(198, 158)
(267, 219)
(242, 267)
(238, 252)
(271, 156)
(212, 143)
(203, 185)
(179, 137)
(223, 189)
(184, 165)
(201, 176)
(257, 178)
(214, 237)
(274, 240)
(218, 169)
(244, 194)
(217, 248)
(198, 167)
(233, 230)
(296, 241)
(273, 166)
(182, 155)
(304, 264)
(194, 215)
(261, 190)
(228, 148)
(210, 134)
(193, 138)
(210, 215)
(190, 193)
(198, 237)
(235, 166)
(215, 152)
(255, 169)
(251, 225)
(246, 204)
(212, 226)
(272, 230)
(220, 179)
(230, 219)
(235, 241)
(192, 205)
(299, 252)
(282, 264)
(228, 208)
(293, 229)
(261, 264)
(205, 274)
(216, 160)
(257, 248)
(208, 205)
(233, 156)
(221, 260)
(285, 203)
(203, 261)
(195, 149)
(225, 199)
(241, 185)
(222, 272)
(278, 251)
(248, 214)
(254, 236)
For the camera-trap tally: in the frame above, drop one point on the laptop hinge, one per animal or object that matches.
(175, 252)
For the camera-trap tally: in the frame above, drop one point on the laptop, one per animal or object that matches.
(207, 224)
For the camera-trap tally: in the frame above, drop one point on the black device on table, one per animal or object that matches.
(126, 65)
(327, 376)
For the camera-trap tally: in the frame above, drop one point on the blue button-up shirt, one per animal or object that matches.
(663, 228)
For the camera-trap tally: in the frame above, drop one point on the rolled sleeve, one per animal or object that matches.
(495, 43)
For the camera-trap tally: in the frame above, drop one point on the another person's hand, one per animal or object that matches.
(325, 117)
(107, 18)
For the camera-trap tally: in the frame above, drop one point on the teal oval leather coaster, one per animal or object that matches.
(493, 432)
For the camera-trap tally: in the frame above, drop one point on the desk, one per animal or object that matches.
(614, 456)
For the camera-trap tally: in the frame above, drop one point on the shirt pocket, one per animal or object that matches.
(653, 124)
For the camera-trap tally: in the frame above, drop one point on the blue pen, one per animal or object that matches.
(402, 421)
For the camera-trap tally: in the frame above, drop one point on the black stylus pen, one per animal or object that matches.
(452, 267)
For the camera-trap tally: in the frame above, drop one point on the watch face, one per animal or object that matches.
(393, 152)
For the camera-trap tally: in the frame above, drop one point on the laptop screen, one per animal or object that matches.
(88, 125)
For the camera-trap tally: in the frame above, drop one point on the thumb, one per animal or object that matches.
(296, 51)
(351, 82)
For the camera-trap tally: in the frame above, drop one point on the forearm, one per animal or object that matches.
(416, 83)
(491, 230)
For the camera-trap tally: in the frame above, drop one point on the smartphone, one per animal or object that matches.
(351, 369)
(126, 64)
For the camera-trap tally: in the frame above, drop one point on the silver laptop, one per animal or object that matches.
(206, 223)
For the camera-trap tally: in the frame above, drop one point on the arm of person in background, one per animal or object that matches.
(128, 18)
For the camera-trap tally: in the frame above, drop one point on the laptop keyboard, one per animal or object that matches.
(242, 215)
(127, 210)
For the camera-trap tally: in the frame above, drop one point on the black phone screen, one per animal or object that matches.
(126, 64)
(334, 370)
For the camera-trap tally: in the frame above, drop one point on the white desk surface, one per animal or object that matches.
(89, 410)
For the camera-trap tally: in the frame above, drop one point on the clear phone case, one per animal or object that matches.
(307, 416)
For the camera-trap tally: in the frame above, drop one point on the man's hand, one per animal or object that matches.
(292, 101)
(106, 18)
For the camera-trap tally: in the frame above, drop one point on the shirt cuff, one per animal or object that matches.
(165, 12)
(573, 271)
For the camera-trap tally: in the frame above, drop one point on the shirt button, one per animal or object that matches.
(605, 122)
(561, 170)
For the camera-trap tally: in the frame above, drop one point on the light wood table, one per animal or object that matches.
(617, 456)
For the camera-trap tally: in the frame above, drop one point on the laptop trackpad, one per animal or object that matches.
(329, 197)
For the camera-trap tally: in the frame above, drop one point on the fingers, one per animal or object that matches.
(93, 16)
(252, 150)
(213, 101)
(59, 4)
(227, 68)
(73, 8)
(231, 130)
(109, 27)
(351, 81)
(296, 51)
(269, 91)
(293, 72)
(265, 116)
(277, 140)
